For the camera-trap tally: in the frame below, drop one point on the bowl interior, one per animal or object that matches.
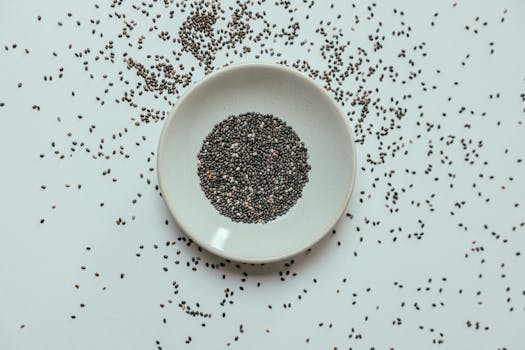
(308, 110)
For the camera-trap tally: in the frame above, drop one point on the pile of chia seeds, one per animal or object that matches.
(253, 167)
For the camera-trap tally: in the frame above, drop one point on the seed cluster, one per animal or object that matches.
(253, 167)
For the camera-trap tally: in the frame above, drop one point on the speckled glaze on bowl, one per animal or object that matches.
(308, 109)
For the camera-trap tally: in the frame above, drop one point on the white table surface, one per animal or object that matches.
(416, 263)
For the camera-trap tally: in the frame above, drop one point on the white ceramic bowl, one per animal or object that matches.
(308, 109)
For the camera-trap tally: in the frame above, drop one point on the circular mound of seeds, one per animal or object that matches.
(253, 167)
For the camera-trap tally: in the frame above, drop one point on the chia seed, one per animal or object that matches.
(253, 167)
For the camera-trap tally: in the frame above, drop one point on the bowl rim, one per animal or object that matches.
(172, 118)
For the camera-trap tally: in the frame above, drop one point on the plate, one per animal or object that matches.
(303, 105)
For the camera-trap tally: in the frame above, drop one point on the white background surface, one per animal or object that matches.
(40, 264)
